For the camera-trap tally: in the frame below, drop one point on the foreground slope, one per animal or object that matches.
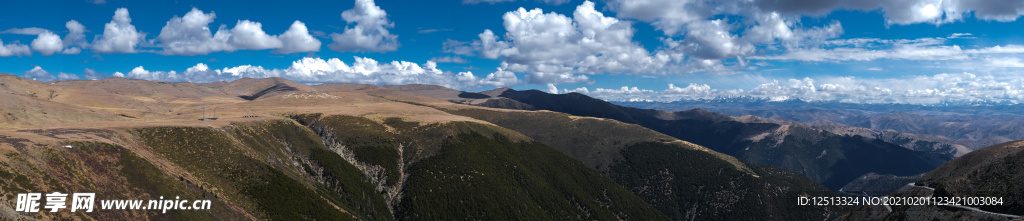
(475, 171)
(281, 170)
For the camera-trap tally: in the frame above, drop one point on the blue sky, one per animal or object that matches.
(915, 51)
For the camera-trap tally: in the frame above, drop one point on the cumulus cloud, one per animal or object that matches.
(298, 39)
(559, 49)
(712, 40)
(119, 35)
(500, 78)
(74, 41)
(370, 32)
(317, 70)
(13, 49)
(771, 27)
(191, 35)
(554, 48)
(37, 73)
(47, 44)
(250, 35)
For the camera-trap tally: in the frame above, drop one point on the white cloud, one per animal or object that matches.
(25, 31)
(867, 49)
(670, 16)
(550, 2)
(37, 73)
(47, 44)
(66, 76)
(191, 35)
(75, 39)
(449, 59)
(712, 40)
(119, 35)
(370, 32)
(554, 48)
(316, 70)
(15, 49)
(772, 26)
(905, 12)
(298, 39)
(1008, 62)
(501, 78)
(552, 89)
(141, 73)
(250, 35)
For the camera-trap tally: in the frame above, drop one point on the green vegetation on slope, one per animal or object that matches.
(475, 177)
(995, 171)
(113, 173)
(287, 142)
(456, 172)
(260, 188)
(686, 184)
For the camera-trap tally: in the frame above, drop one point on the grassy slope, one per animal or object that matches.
(465, 170)
(260, 188)
(110, 171)
(682, 180)
(285, 143)
(995, 171)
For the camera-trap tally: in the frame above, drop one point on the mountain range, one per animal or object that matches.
(276, 149)
(972, 125)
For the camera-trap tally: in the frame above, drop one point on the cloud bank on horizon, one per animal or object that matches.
(875, 51)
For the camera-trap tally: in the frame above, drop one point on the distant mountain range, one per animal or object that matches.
(973, 125)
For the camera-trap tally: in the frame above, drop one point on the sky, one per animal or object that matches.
(870, 51)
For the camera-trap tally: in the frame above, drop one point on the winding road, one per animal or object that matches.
(958, 206)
